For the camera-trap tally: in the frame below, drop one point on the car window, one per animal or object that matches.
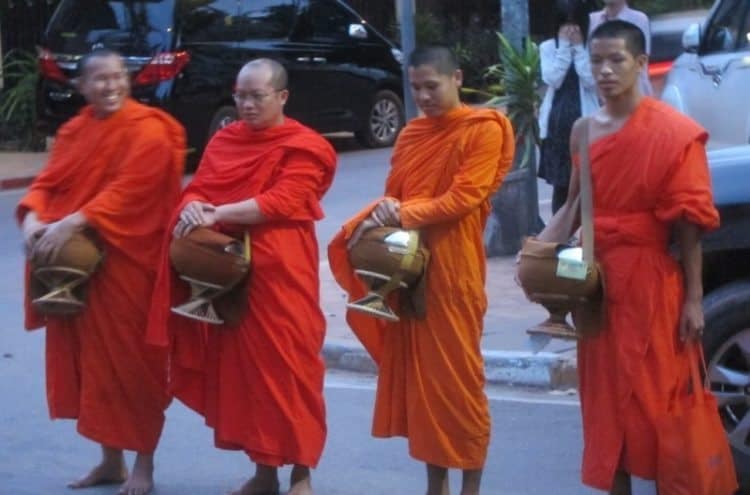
(745, 32)
(78, 25)
(324, 20)
(264, 19)
(725, 28)
(214, 20)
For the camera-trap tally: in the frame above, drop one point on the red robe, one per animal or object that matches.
(123, 173)
(431, 374)
(646, 176)
(260, 385)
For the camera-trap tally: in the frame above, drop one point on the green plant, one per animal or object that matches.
(18, 99)
(513, 83)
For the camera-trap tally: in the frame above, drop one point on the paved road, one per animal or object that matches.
(536, 436)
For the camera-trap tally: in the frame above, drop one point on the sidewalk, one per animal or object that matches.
(507, 357)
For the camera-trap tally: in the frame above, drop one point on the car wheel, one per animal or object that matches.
(223, 117)
(727, 345)
(384, 120)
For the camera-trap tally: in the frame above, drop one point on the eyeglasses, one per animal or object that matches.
(255, 97)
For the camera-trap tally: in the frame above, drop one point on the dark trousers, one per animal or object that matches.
(559, 195)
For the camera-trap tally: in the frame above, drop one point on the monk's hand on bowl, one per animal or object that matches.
(387, 213)
(367, 224)
(194, 213)
(32, 230)
(691, 320)
(55, 235)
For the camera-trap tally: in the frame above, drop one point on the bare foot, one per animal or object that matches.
(141, 480)
(106, 473)
(254, 486)
(302, 487)
(300, 481)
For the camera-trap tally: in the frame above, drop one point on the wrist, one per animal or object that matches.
(75, 221)
(220, 213)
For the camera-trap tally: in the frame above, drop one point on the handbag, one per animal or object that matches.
(563, 278)
(693, 455)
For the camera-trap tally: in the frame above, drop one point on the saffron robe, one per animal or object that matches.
(431, 374)
(123, 173)
(259, 385)
(649, 174)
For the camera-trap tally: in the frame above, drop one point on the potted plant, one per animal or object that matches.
(515, 82)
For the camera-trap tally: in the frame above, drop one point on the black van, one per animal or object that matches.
(184, 55)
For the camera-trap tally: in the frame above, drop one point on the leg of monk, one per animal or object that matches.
(472, 480)
(300, 481)
(265, 482)
(437, 480)
(621, 484)
(141, 479)
(110, 470)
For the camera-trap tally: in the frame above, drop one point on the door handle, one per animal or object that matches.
(319, 60)
(303, 59)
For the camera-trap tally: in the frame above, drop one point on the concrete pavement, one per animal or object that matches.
(504, 344)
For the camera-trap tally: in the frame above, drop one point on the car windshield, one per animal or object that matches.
(130, 26)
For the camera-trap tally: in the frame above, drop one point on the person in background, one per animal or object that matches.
(571, 93)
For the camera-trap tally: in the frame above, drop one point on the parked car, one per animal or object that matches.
(666, 42)
(711, 80)
(184, 55)
(726, 284)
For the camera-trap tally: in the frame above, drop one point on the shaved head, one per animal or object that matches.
(279, 78)
(85, 61)
(441, 58)
(635, 41)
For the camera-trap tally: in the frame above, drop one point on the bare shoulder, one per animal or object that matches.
(576, 134)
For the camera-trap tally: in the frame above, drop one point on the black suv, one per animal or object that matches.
(184, 55)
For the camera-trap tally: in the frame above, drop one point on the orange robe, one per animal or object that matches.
(260, 385)
(646, 176)
(123, 173)
(431, 374)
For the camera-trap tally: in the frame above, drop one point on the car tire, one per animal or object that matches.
(384, 120)
(727, 317)
(224, 116)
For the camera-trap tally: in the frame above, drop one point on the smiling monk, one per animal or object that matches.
(444, 168)
(115, 169)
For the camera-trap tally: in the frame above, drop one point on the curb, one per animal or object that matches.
(516, 368)
(16, 182)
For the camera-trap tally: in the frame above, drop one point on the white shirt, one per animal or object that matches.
(632, 16)
(555, 62)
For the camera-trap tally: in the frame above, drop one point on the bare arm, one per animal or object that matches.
(567, 219)
(245, 212)
(691, 256)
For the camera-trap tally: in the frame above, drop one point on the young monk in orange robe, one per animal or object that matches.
(114, 168)
(431, 377)
(649, 178)
(259, 385)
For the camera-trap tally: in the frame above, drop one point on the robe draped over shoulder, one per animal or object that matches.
(123, 173)
(646, 176)
(431, 374)
(259, 385)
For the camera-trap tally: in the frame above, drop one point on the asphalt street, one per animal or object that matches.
(535, 446)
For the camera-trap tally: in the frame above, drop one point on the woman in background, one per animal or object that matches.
(571, 92)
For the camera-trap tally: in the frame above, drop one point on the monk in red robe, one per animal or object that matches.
(258, 384)
(115, 169)
(444, 168)
(650, 179)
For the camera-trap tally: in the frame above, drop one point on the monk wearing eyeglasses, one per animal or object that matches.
(258, 384)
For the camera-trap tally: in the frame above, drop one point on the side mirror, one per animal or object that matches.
(357, 31)
(691, 38)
